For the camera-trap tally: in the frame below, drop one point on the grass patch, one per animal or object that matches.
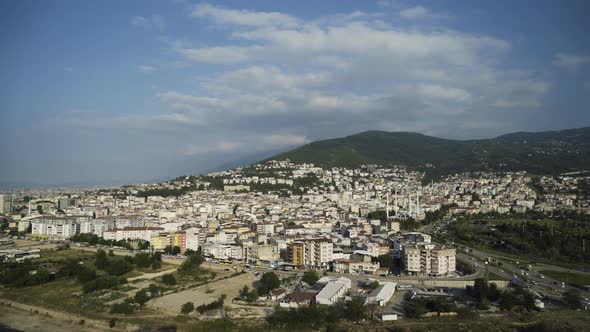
(528, 221)
(63, 295)
(494, 276)
(60, 255)
(568, 277)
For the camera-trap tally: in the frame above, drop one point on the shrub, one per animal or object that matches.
(310, 277)
(169, 279)
(187, 308)
(122, 308)
(217, 304)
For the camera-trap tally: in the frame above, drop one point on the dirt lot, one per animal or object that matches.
(29, 244)
(208, 293)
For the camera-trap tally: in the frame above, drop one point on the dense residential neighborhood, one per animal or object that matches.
(376, 236)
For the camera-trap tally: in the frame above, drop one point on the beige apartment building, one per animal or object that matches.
(429, 260)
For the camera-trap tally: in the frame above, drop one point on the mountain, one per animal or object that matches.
(549, 152)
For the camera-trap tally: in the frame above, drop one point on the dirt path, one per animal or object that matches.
(148, 276)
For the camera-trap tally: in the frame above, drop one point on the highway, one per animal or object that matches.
(511, 268)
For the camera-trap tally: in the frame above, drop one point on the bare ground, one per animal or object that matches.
(210, 292)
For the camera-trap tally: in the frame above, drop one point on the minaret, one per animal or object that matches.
(29, 206)
(410, 204)
(417, 205)
(387, 205)
(395, 201)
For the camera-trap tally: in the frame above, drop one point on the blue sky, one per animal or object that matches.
(101, 92)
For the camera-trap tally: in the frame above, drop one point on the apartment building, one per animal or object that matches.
(133, 233)
(315, 252)
(429, 260)
(54, 227)
(296, 253)
(160, 241)
(318, 252)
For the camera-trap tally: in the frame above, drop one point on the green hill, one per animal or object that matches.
(548, 152)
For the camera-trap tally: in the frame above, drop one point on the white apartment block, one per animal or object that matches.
(429, 260)
(318, 252)
(54, 228)
(133, 233)
(222, 251)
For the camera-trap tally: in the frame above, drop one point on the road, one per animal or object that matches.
(540, 284)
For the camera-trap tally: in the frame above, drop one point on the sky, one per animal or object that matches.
(116, 92)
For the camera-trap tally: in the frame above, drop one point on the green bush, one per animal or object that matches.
(122, 308)
(169, 279)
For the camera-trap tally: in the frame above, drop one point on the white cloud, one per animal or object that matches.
(146, 69)
(149, 22)
(247, 143)
(415, 12)
(420, 13)
(516, 94)
(250, 18)
(337, 75)
(571, 60)
(440, 92)
(217, 55)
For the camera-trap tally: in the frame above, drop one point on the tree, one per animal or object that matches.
(119, 266)
(355, 309)
(169, 279)
(85, 274)
(42, 276)
(143, 245)
(553, 253)
(374, 285)
(244, 292)
(101, 259)
(385, 261)
(112, 322)
(193, 261)
(142, 259)
(268, 282)
(310, 277)
(176, 250)
(154, 290)
(141, 297)
(187, 308)
(156, 265)
(252, 296)
(573, 299)
(122, 308)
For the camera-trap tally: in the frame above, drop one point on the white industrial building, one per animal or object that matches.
(382, 294)
(333, 291)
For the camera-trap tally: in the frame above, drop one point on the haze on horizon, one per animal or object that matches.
(126, 91)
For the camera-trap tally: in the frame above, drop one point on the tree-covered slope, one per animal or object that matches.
(544, 152)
